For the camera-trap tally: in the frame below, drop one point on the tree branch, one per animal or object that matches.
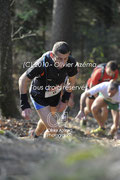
(12, 3)
(23, 36)
(16, 32)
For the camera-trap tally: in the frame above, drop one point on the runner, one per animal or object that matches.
(48, 75)
(103, 72)
(109, 96)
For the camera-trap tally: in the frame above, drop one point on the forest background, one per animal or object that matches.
(28, 28)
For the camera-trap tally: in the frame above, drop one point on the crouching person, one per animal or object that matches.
(48, 75)
(108, 96)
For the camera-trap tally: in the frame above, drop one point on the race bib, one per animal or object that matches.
(52, 91)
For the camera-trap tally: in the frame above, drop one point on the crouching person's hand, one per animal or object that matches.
(113, 130)
(80, 115)
(26, 113)
(25, 106)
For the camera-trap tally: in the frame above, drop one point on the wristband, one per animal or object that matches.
(66, 96)
(24, 104)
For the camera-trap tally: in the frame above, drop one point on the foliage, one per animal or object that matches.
(95, 22)
(32, 17)
(94, 33)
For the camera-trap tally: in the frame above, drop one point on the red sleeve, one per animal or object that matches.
(96, 75)
(116, 74)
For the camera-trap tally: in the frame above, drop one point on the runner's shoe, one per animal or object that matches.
(2, 132)
(98, 131)
(32, 134)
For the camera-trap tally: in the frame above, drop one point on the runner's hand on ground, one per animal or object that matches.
(26, 113)
(80, 115)
(113, 130)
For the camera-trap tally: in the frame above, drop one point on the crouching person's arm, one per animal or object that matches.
(81, 113)
(24, 104)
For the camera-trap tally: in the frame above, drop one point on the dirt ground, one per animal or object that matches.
(20, 128)
(77, 155)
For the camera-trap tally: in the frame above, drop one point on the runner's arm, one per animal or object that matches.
(81, 113)
(82, 100)
(71, 84)
(66, 94)
(25, 106)
(35, 70)
(68, 89)
(23, 83)
(94, 90)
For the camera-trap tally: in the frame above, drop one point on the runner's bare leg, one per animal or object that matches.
(115, 115)
(49, 121)
(98, 104)
(89, 103)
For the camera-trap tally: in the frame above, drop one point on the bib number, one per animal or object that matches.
(52, 91)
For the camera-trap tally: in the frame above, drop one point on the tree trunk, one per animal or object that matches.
(7, 100)
(62, 21)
